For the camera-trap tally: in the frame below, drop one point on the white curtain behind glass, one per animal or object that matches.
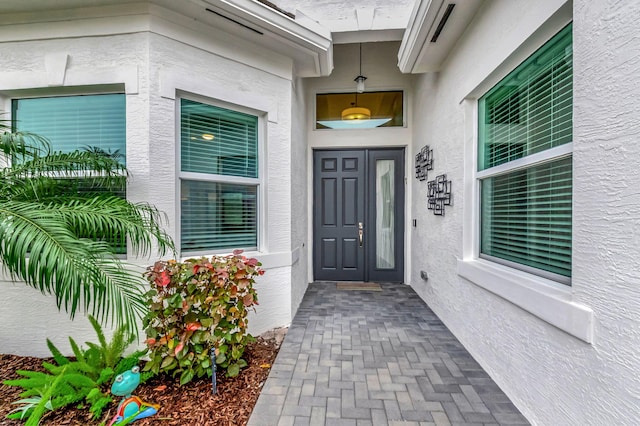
(385, 214)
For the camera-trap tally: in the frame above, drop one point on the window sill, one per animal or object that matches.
(268, 260)
(543, 298)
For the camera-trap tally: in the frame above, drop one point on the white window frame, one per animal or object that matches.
(544, 298)
(546, 156)
(215, 178)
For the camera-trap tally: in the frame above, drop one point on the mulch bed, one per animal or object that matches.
(191, 404)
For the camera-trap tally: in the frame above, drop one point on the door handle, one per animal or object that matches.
(360, 233)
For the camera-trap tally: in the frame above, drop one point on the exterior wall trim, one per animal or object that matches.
(18, 80)
(172, 82)
(306, 42)
(538, 296)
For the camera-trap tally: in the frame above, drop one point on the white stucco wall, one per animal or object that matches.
(162, 63)
(554, 377)
(178, 68)
(299, 194)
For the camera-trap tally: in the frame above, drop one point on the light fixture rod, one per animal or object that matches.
(360, 78)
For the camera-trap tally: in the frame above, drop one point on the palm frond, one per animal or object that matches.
(115, 154)
(41, 178)
(22, 145)
(110, 216)
(120, 295)
(58, 214)
(37, 247)
(84, 164)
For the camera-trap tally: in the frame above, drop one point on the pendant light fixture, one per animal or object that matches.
(360, 78)
(355, 112)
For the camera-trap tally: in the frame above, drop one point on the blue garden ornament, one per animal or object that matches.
(131, 408)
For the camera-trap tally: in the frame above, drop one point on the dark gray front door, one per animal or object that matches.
(359, 215)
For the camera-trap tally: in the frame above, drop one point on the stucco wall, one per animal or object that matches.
(554, 377)
(177, 69)
(299, 193)
(165, 67)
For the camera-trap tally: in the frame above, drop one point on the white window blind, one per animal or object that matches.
(219, 178)
(94, 122)
(218, 141)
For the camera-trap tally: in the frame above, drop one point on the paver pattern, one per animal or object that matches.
(376, 358)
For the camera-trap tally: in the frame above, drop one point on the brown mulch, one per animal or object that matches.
(189, 405)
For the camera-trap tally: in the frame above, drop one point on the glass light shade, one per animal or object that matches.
(360, 83)
(354, 124)
(356, 113)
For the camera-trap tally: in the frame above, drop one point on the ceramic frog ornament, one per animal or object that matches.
(131, 408)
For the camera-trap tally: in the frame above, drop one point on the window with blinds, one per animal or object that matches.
(219, 178)
(526, 201)
(79, 123)
(70, 123)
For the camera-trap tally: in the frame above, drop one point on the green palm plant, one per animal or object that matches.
(60, 221)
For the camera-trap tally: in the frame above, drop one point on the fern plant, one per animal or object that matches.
(68, 381)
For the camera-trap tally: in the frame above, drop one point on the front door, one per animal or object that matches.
(358, 215)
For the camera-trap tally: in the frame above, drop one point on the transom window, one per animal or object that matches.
(219, 178)
(359, 110)
(525, 163)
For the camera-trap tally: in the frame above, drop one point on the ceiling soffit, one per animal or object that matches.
(434, 28)
(303, 40)
(307, 42)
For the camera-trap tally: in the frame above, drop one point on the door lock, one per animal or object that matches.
(360, 233)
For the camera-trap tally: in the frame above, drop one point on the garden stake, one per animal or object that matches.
(214, 388)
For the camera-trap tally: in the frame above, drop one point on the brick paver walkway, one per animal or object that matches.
(376, 358)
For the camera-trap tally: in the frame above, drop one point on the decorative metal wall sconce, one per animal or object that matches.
(424, 162)
(439, 194)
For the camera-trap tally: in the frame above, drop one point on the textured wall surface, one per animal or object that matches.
(607, 200)
(216, 77)
(151, 154)
(553, 377)
(299, 193)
